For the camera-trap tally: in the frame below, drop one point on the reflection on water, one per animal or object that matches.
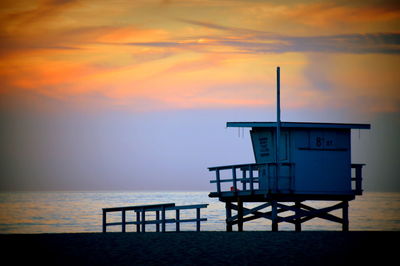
(58, 212)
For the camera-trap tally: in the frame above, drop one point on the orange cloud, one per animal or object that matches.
(321, 17)
(330, 14)
(28, 14)
(131, 34)
(142, 56)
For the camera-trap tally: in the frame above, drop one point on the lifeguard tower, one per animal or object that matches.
(295, 162)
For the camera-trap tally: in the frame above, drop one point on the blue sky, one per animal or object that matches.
(138, 98)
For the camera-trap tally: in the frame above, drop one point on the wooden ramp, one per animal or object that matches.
(158, 209)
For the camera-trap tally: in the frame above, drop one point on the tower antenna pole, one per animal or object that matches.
(278, 123)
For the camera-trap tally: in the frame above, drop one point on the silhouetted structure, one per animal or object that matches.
(295, 162)
(163, 208)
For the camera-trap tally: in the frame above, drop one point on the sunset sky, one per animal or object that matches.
(134, 95)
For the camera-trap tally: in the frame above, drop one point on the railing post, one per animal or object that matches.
(251, 179)
(123, 224)
(163, 219)
(158, 221)
(198, 219)
(234, 179)
(244, 182)
(137, 221)
(177, 220)
(143, 220)
(228, 215)
(218, 182)
(358, 179)
(104, 221)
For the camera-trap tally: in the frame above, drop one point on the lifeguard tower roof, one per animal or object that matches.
(299, 125)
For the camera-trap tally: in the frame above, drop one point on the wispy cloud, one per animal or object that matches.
(346, 43)
(39, 13)
(224, 28)
(167, 54)
(254, 41)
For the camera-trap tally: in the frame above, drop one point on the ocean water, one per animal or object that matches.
(71, 212)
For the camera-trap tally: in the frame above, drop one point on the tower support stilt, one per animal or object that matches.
(270, 210)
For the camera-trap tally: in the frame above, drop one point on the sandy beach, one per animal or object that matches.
(203, 248)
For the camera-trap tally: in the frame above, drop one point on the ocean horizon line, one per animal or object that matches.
(145, 191)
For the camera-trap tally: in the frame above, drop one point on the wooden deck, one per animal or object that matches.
(235, 190)
(263, 196)
(247, 185)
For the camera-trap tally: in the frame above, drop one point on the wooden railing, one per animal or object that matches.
(249, 178)
(245, 168)
(357, 179)
(162, 209)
